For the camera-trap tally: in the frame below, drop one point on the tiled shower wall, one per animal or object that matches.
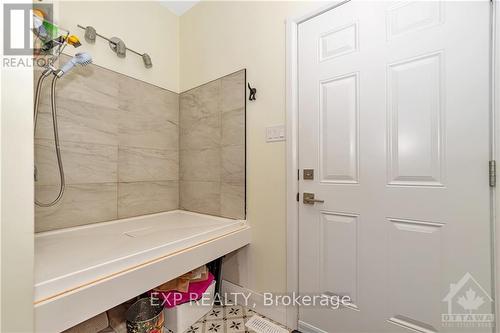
(212, 147)
(119, 140)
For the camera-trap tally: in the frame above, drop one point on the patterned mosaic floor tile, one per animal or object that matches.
(225, 319)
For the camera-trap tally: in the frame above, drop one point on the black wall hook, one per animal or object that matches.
(253, 91)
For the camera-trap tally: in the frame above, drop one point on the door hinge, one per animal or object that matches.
(298, 174)
(298, 197)
(493, 173)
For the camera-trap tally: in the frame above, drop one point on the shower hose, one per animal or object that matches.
(53, 105)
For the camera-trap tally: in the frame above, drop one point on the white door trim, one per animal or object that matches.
(495, 151)
(292, 240)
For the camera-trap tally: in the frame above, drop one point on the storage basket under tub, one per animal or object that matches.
(179, 318)
(144, 317)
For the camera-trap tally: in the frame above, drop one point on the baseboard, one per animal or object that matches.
(306, 328)
(255, 301)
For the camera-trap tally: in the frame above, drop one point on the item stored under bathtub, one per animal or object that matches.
(174, 298)
(179, 318)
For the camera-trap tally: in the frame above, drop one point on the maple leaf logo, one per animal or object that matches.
(470, 301)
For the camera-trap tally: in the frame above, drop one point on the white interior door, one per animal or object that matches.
(394, 120)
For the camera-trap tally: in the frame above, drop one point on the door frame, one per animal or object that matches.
(292, 181)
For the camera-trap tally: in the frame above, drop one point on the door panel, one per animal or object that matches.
(410, 16)
(338, 127)
(338, 274)
(413, 300)
(415, 106)
(394, 119)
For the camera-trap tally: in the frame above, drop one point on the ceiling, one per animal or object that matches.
(179, 7)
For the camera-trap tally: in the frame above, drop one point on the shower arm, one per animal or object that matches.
(110, 41)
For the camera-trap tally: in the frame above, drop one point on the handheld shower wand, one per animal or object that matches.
(81, 59)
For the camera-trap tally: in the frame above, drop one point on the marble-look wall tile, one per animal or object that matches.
(118, 135)
(212, 147)
(83, 162)
(90, 84)
(201, 102)
(126, 144)
(233, 164)
(143, 164)
(200, 120)
(149, 117)
(81, 204)
(140, 198)
(200, 165)
(79, 122)
(232, 201)
(201, 197)
(138, 131)
(149, 100)
(201, 134)
(233, 128)
(233, 91)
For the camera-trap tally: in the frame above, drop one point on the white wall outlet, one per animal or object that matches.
(275, 133)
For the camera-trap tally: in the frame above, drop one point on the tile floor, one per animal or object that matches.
(225, 319)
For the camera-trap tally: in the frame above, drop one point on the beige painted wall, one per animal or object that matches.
(218, 38)
(145, 26)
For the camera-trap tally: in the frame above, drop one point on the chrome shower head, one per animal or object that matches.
(83, 59)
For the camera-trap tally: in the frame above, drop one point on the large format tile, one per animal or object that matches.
(200, 119)
(137, 131)
(114, 128)
(232, 201)
(204, 133)
(212, 120)
(233, 128)
(79, 122)
(200, 102)
(233, 91)
(200, 165)
(140, 198)
(82, 162)
(148, 122)
(201, 197)
(233, 164)
(81, 204)
(91, 84)
(147, 99)
(142, 164)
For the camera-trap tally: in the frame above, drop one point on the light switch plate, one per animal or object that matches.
(275, 133)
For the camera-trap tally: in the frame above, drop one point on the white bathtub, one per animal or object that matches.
(82, 271)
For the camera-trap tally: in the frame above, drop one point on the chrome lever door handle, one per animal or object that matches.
(308, 199)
